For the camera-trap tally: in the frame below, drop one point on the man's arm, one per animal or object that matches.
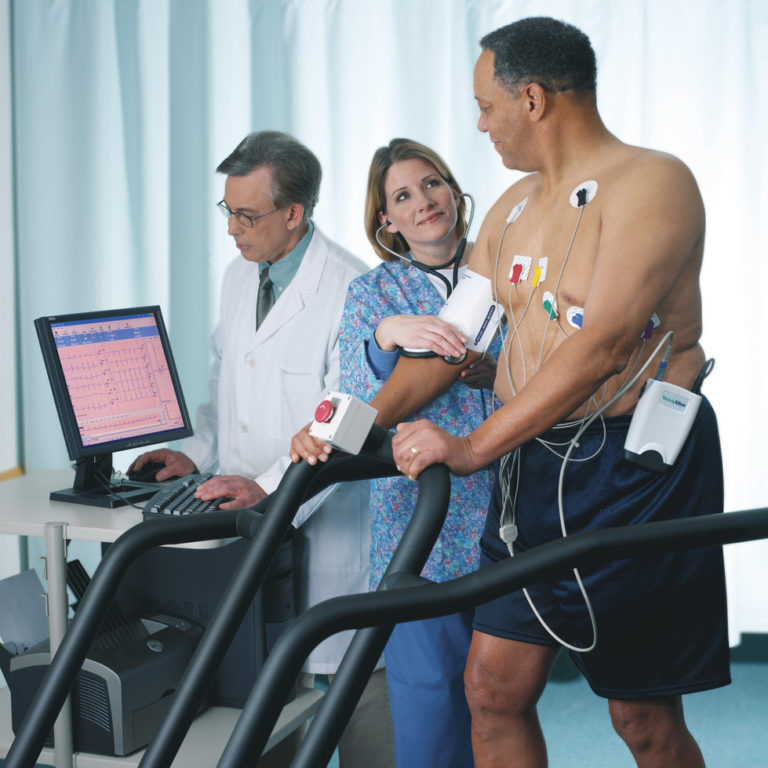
(561, 385)
(362, 316)
(414, 383)
(652, 228)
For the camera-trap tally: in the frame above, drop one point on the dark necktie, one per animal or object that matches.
(266, 298)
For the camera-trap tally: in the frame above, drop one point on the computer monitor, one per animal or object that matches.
(116, 387)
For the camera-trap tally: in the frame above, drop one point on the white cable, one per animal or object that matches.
(506, 342)
(561, 507)
(508, 530)
(557, 285)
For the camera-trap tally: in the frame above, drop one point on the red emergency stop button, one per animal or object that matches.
(324, 412)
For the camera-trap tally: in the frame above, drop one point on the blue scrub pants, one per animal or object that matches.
(425, 663)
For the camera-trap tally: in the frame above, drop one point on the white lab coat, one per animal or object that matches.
(264, 387)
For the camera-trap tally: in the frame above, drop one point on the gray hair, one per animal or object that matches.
(296, 172)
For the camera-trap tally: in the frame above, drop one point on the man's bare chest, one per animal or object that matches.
(544, 260)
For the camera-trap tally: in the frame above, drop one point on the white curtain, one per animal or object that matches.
(9, 549)
(123, 108)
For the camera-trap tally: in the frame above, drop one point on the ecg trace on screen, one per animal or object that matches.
(118, 378)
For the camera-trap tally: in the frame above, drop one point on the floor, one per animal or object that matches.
(729, 723)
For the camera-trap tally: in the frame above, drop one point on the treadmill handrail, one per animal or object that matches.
(299, 482)
(261, 713)
(392, 606)
(66, 663)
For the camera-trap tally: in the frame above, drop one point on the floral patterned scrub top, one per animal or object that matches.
(395, 288)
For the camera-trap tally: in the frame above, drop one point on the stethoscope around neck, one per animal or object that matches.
(454, 261)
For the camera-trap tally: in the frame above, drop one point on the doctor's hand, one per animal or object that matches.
(420, 332)
(304, 446)
(177, 464)
(419, 444)
(241, 491)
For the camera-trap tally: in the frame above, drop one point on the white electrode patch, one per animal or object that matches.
(516, 211)
(575, 316)
(521, 267)
(586, 189)
(550, 304)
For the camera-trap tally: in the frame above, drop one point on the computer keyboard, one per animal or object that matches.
(178, 499)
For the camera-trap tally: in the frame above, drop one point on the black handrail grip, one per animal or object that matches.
(299, 482)
(227, 617)
(576, 551)
(368, 644)
(268, 696)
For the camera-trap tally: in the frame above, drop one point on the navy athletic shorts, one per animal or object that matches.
(661, 621)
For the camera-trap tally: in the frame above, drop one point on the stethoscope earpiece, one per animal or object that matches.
(454, 261)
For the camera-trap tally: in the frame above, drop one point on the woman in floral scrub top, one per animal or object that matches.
(413, 208)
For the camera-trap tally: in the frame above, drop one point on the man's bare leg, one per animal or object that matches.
(656, 733)
(504, 680)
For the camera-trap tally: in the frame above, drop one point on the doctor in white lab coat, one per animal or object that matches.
(264, 387)
(275, 354)
(266, 381)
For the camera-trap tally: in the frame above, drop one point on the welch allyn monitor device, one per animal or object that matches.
(115, 386)
(660, 425)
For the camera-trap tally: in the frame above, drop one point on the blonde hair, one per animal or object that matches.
(375, 199)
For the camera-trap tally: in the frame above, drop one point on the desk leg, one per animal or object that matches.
(58, 609)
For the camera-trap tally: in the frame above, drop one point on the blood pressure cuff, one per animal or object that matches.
(472, 310)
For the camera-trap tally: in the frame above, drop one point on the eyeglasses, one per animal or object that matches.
(243, 218)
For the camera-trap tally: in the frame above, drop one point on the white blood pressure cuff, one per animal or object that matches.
(471, 309)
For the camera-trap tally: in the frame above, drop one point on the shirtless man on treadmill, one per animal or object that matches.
(621, 230)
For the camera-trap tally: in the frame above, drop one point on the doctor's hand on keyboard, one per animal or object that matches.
(205, 492)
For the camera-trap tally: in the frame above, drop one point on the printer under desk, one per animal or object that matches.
(124, 688)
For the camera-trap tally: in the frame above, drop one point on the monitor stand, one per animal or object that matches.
(93, 485)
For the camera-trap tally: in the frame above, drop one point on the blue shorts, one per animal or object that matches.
(661, 621)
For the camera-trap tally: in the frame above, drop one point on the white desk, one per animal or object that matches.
(25, 510)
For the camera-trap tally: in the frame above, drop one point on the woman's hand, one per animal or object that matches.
(304, 446)
(481, 374)
(419, 444)
(420, 332)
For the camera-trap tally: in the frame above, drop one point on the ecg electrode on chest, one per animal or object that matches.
(524, 272)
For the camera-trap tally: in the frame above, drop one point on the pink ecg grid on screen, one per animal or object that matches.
(118, 378)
